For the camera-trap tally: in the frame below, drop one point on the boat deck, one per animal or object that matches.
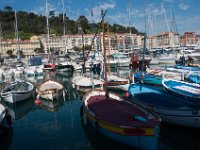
(119, 113)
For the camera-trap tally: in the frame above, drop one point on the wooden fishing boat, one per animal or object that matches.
(118, 83)
(17, 91)
(120, 120)
(85, 84)
(116, 118)
(183, 89)
(50, 90)
(171, 109)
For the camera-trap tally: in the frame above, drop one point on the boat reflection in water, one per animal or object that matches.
(19, 109)
(6, 135)
(51, 106)
(174, 137)
(99, 141)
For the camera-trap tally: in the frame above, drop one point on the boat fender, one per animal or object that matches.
(126, 94)
(37, 102)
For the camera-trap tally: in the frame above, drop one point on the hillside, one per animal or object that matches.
(33, 24)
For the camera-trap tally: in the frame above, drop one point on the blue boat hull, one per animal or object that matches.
(138, 142)
(190, 92)
(149, 79)
(194, 79)
(171, 109)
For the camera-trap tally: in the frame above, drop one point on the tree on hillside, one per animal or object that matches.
(83, 23)
(31, 23)
(10, 53)
(8, 9)
(38, 50)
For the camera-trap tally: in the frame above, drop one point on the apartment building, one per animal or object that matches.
(164, 40)
(26, 46)
(189, 39)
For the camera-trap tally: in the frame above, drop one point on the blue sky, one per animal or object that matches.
(158, 19)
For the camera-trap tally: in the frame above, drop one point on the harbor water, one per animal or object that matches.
(57, 125)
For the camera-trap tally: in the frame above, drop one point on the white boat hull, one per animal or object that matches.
(12, 98)
(120, 87)
(14, 95)
(184, 117)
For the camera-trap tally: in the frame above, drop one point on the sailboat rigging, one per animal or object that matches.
(17, 38)
(49, 65)
(103, 13)
(102, 109)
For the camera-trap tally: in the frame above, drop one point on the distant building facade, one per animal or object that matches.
(116, 41)
(25, 46)
(189, 39)
(163, 40)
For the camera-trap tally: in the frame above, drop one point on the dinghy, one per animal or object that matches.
(182, 89)
(17, 91)
(50, 90)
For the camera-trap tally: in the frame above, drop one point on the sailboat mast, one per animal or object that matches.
(103, 13)
(64, 25)
(1, 38)
(143, 57)
(63, 18)
(17, 36)
(108, 33)
(47, 17)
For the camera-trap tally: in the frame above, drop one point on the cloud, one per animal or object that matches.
(184, 6)
(41, 9)
(97, 10)
(104, 6)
